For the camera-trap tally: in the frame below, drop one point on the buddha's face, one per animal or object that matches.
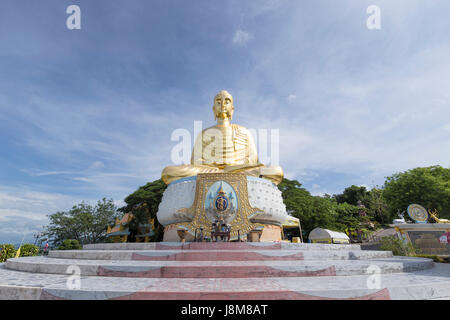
(223, 106)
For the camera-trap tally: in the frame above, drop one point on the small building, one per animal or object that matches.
(292, 230)
(319, 235)
(145, 231)
(119, 232)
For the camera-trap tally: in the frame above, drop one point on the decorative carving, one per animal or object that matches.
(241, 223)
(417, 213)
(434, 215)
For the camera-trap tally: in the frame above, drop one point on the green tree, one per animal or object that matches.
(143, 204)
(312, 211)
(322, 212)
(352, 195)
(28, 250)
(347, 216)
(70, 245)
(429, 187)
(84, 223)
(7, 251)
(377, 208)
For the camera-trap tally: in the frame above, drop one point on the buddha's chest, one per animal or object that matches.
(225, 145)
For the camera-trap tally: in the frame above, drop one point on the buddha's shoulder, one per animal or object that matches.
(240, 130)
(235, 127)
(239, 127)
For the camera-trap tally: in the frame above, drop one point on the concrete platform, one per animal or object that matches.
(221, 246)
(247, 271)
(217, 269)
(219, 255)
(433, 283)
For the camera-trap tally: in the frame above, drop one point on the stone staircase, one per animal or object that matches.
(236, 270)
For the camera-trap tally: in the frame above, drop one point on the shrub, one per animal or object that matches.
(434, 257)
(29, 250)
(7, 251)
(397, 246)
(70, 245)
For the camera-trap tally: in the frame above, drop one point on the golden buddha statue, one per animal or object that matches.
(224, 147)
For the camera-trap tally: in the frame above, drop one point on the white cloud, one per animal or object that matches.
(241, 37)
(14, 229)
(41, 173)
(97, 165)
(366, 104)
(24, 211)
(358, 112)
(25, 202)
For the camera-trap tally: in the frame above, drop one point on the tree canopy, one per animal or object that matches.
(429, 187)
(84, 223)
(144, 203)
(352, 195)
(316, 211)
(373, 200)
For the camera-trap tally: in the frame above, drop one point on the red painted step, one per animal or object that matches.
(213, 272)
(209, 255)
(383, 294)
(218, 246)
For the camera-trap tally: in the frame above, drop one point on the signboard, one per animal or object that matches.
(428, 242)
(445, 238)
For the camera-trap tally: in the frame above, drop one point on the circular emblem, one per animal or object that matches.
(417, 213)
(221, 203)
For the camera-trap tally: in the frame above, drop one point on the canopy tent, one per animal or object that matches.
(319, 235)
(292, 222)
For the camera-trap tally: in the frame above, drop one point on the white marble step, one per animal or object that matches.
(433, 283)
(219, 255)
(221, 246)
(218, 269)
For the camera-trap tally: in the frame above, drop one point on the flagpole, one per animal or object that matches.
(18, 250)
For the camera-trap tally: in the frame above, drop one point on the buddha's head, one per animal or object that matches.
(223, 106)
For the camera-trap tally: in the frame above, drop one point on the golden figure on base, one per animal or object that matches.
(434, 216)
(224, 147)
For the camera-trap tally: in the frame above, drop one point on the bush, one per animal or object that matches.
(397, 246)
(29, 250)
(7, 251)
(434, 257)
(70, 245)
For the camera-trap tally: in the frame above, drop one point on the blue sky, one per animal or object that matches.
(87, 114)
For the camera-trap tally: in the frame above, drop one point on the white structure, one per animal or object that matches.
(262, 194)
(399, 221)
(179, 194)
(319, 235)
